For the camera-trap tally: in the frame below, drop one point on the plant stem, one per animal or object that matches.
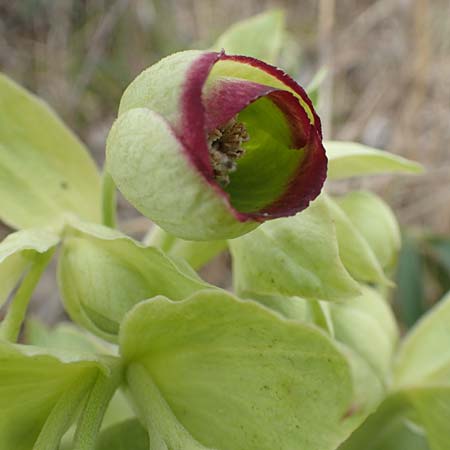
(164, 429)
(10, 327)
(109, 203)
(157, 237)
(92, 416)
(196, 253)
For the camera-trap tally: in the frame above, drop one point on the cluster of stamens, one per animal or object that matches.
(225, 148)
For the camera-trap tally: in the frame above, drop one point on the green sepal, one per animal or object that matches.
(260, 36)
(350, 159)
(17, 251)
(175, 196)
(376, 222)
(228, 364)
(103, 274)
(295, 256)
(45, 171)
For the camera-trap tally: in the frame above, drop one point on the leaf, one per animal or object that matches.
(17, 251)
(349, 159)
(410, 294)
(45, 171)
(424, 357)
(423, 373)
(103, 274)
(376, 222)
(126, 435)
(41, 393)
(388, 429)
(295, 256)
(261, 36)
(228, 364)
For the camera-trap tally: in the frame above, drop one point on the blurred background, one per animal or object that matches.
(388, 86)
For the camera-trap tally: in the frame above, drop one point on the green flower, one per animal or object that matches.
(210, 145)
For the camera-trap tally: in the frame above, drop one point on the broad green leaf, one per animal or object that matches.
(41, 393)
(423, 373)
(127, 435)
(362, 321)
(355, 251)
(17, 251)
(349, 159)
(295, 256)
(233, 375)
(45, 171)
(261, 36)
(376, 222)
(103, 273)
(424, 357)
(388, 429)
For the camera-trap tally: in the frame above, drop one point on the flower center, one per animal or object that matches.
(225, 148)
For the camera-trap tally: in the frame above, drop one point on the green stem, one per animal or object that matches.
(15, 315)
(164, 429)
(92, 416)
(61, 417)
(109, 203)
(196, 253)
(157, 237)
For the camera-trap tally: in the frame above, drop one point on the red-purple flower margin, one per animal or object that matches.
(200, 115)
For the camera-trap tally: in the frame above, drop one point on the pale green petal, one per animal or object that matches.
(17, 251)
(103, 273)
(237, 376)
(350, 159)
(295, 256)
(45, 171)
(376, 222)
(261, 36)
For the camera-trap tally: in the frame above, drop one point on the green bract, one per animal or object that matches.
(233, 375)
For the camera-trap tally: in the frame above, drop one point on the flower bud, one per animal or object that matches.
(376, 223)
(210, 145)
(103, 274)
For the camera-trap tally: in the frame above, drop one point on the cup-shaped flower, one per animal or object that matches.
(209, 145)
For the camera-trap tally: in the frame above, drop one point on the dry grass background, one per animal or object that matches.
(389, 82)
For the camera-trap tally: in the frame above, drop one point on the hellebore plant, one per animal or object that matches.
(220, 151)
